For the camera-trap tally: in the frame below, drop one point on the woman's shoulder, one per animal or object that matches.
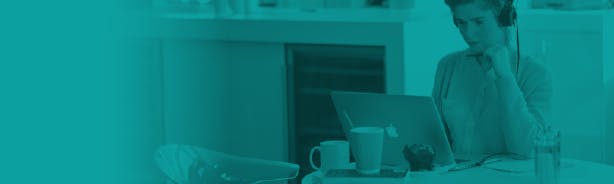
(533, 69)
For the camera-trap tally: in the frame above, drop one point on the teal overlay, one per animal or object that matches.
(90, 92)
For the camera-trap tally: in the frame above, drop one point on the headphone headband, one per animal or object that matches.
(507, 15)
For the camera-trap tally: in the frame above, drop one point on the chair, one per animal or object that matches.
(186, 164)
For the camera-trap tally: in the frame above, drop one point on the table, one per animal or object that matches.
(572, 171)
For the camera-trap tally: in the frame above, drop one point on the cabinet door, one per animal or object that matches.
(140, 111)
(575, 60)
(227, 96)
(255, 84)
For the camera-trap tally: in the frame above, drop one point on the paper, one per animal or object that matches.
(512, 166)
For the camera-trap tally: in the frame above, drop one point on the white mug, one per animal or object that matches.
(333, 155)
(367, 144)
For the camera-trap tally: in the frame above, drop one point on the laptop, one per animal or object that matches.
(407, 120)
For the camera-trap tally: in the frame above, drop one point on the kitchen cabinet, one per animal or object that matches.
(225, 85)
(226, 96)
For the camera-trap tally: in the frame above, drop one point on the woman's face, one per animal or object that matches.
(478, 25)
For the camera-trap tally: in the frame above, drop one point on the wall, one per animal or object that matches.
(425, 49)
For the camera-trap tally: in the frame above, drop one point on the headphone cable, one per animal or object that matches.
(517, 50)
(517, 39)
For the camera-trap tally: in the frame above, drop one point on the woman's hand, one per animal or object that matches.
(499, 58)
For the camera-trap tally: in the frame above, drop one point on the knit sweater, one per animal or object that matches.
(487, 114)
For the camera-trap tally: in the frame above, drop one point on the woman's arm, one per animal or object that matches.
(439, 87)
(525, 105)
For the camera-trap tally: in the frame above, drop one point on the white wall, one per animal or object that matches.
(430, 6)
(427, 42)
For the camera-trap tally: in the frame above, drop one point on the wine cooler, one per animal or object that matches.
(313, 71)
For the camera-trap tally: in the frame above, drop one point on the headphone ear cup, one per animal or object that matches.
(508, 16)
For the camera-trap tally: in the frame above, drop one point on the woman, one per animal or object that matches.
(490, 101)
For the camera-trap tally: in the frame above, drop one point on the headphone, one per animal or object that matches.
(507, 16)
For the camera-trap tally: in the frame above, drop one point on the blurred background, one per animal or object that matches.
(252, 77)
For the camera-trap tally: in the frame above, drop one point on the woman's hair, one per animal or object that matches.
(494, 5)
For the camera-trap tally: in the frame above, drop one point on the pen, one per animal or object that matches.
(475, 55)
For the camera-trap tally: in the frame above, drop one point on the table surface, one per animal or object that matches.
(572, 171)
